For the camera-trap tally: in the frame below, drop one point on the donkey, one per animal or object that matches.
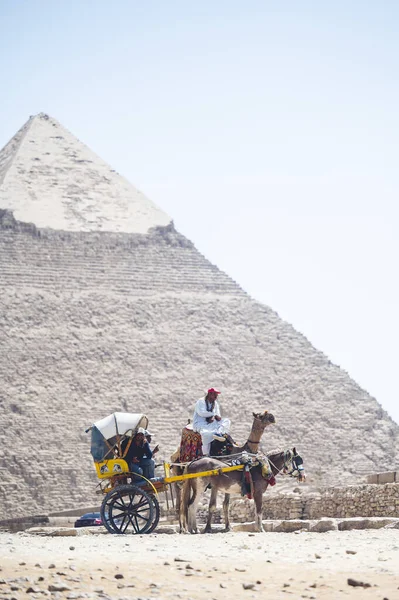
(227, 482)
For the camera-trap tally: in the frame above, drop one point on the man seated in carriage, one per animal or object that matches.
(139, 455)
(148, 437)
(208, 420)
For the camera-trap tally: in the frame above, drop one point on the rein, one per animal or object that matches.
(228, 457)
(287, 457)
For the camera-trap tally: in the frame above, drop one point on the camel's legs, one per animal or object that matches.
(211, 510)
(258, 507)
(226, 512)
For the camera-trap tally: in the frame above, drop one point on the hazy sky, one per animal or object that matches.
(268, 131)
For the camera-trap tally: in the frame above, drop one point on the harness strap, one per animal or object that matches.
(247, 484)
(279, 471)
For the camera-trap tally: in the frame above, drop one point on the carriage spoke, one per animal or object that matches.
(119, 505)
(125, 523)
(142, 503)
(135, 524)
(139, 516)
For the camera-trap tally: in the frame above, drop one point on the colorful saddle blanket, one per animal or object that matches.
(190, 445)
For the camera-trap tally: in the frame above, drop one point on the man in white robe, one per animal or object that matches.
(208, 421)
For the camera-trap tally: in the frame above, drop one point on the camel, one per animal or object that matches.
(229, 483)
(260, 422)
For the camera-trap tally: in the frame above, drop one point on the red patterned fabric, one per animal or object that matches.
(190, 445)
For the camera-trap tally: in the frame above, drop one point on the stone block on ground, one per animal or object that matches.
(364, 523)
(294, 525)
(66, 531)
(53, 531)
(168, 529)
(323, 525)
(251, 526)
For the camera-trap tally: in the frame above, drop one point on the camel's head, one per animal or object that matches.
(265, 418)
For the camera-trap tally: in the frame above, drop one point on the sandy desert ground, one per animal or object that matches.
(218, 566)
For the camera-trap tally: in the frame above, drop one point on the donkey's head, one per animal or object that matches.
(282, 461)
(298, 470)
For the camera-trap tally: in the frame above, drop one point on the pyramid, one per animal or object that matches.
(105, 307)
(49, 178)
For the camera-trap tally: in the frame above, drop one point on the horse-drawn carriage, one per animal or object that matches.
(130, 503)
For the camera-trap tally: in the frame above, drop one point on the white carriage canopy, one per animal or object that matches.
(104, 433)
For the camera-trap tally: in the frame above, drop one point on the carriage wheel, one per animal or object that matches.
(128, 509)
(155, 519)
